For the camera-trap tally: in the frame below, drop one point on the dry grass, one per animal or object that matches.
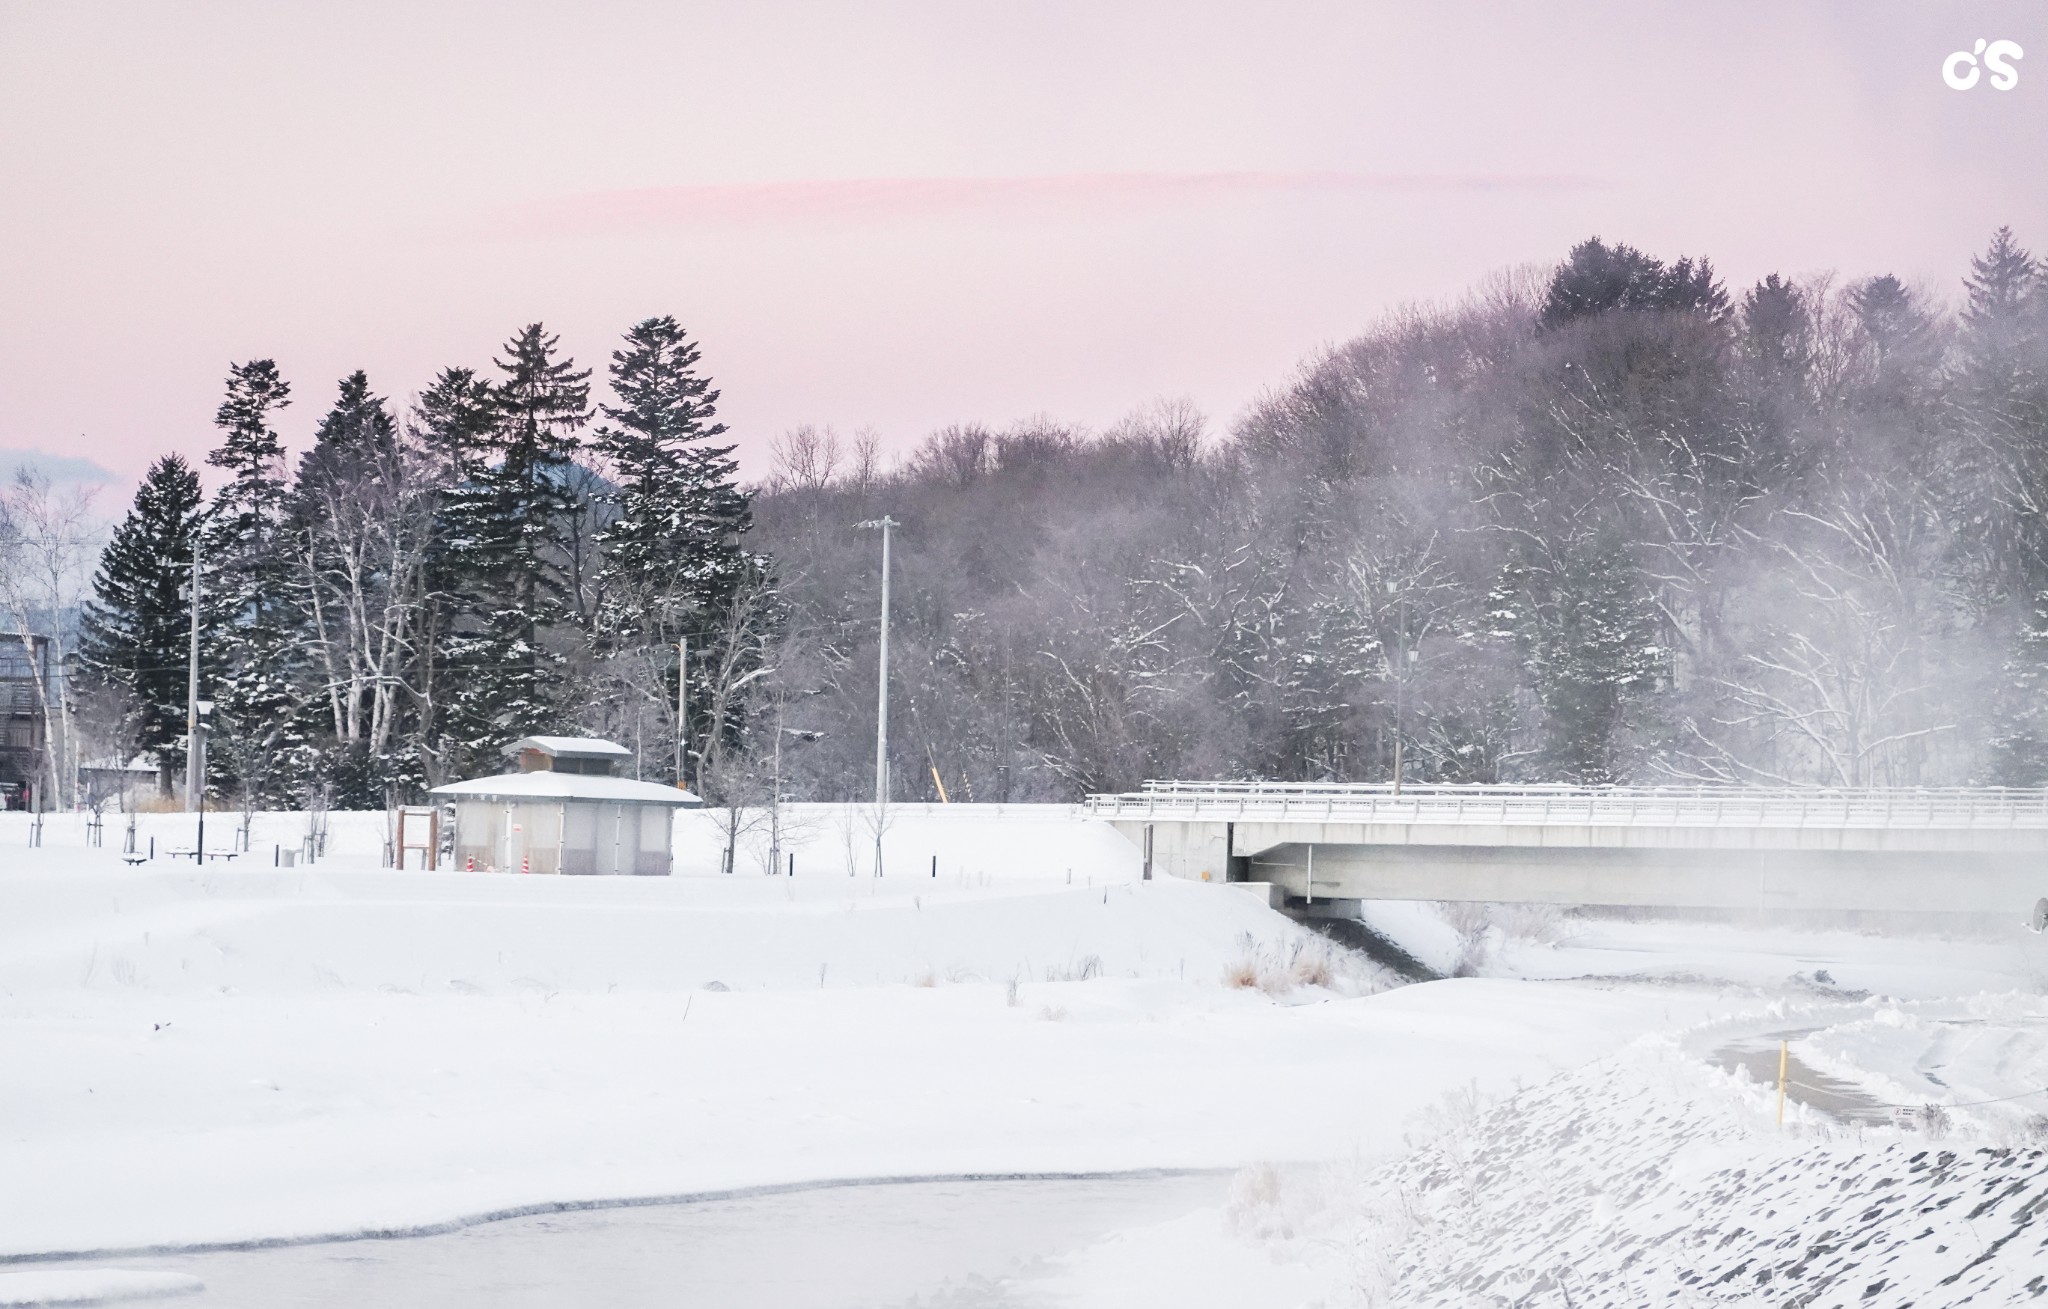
(1312, 965)
(1087, 968)
(1279, 967)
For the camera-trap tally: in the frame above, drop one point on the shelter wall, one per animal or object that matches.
(563, 836)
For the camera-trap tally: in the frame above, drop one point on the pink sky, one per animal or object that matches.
(905, 215)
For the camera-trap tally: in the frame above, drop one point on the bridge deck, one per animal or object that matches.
(1923, 850)
(1956, 808)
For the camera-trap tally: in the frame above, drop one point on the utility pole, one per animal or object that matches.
(195, 748)
(884, 524)
(682, 715)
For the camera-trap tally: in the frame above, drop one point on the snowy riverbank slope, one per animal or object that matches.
(1646, 1177)
(1912, 1169)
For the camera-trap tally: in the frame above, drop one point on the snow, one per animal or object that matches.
(1637, 1179)
(88, 1286)
(1655, 1175)
(234, 1053)
(581, 747)
(547, 784)
(225, 1054)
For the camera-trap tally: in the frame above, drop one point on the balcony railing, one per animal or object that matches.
(1617, 806)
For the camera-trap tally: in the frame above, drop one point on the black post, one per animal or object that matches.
(935, 868)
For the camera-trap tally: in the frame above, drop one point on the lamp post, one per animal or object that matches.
(201, 710)
(775, 792)
(884, 524)
(195, 745)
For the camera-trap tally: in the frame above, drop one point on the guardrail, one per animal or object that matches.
(1518, 806)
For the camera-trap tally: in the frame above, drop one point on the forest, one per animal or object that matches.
(1604, 522)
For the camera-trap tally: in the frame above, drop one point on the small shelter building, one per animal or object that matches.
(565, 811)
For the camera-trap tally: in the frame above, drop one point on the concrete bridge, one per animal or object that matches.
(1954, 850)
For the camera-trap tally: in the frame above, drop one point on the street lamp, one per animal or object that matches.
(202, 711)
(775, 789)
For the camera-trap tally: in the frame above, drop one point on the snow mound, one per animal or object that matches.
(86, 1286)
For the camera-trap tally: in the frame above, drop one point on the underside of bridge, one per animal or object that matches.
(1924, 871)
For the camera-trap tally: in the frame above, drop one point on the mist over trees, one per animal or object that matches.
(1612, 523)
(1609, 522)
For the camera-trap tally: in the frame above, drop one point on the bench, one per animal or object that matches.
(197, 856)
(132, 857)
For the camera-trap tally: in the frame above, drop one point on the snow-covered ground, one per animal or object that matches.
(239, 1053)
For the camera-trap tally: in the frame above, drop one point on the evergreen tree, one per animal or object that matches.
(1777, 333)
(673, 551)
(522, 510)
(2000, 397)
(358, 430)
(673, 561)
(256, 740)
(1588, 637)
(1597, 278)
(454, 421)
(137, 629)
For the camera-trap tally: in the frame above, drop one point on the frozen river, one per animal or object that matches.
(935, 1245)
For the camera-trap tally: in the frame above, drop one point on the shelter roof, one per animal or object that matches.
(551, 785)
(571, 747)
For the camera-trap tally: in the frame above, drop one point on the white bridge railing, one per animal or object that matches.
(1615, 806)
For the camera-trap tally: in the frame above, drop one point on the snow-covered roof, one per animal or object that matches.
(141, 763)
(548, 785)
(570, 747)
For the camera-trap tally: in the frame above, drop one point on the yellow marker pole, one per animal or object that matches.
(943, 797)
(1783, 1051)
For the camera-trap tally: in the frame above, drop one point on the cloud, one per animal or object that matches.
(62, 470)
(595, 213)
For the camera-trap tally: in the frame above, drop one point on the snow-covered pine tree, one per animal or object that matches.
(1588, 637)
(257, 746)
(137, 628)
(453, 422)
(673, 563)
(2000, 400)
(520, 520)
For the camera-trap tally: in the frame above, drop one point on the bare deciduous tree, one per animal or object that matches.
(49, 539)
